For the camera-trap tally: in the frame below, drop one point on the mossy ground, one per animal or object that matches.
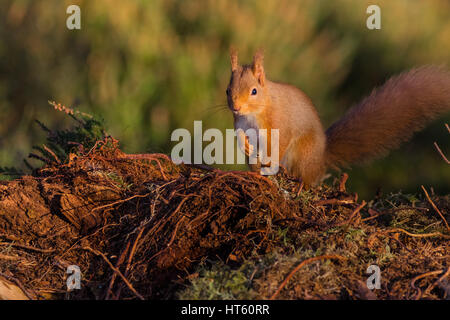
(401, 258)
(141, 227)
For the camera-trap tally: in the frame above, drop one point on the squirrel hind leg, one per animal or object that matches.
(304, 158)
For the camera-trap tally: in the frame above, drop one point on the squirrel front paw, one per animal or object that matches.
(249, 148)
(244, 144)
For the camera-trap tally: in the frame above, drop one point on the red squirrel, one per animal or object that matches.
(390, 115)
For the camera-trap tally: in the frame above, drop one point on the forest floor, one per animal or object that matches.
(145, 228)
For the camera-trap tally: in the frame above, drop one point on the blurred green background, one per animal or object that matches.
(148, 67)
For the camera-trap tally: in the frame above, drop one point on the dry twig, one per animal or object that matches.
(413, 282)
(302, 264)
(436, 208)
(129, 285)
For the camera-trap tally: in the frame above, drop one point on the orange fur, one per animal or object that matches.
(389, 116)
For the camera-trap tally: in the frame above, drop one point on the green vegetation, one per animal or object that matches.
(148, 67)
(86, 132)
(220, 282)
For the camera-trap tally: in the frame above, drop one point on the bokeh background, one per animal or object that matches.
(149, 67)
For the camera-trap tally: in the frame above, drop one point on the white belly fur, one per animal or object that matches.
(247, 122)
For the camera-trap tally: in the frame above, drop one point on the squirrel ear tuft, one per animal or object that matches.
(258, 66)
(234, 59)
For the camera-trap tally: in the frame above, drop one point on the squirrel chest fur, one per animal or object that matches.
(368, 130)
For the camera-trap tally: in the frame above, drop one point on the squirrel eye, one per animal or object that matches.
(254, 91)
(228, 91)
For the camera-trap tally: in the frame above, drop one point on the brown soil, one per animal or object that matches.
(139, 227)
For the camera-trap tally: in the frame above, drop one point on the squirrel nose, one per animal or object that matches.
(236, 107)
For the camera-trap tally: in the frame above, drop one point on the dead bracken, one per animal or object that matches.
(141, 227)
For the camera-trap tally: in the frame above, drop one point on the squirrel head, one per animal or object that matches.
(246, 90)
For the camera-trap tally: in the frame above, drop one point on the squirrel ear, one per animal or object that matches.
(258, 66)
(234, 59)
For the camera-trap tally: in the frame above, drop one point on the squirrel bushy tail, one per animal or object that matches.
(390, 115)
